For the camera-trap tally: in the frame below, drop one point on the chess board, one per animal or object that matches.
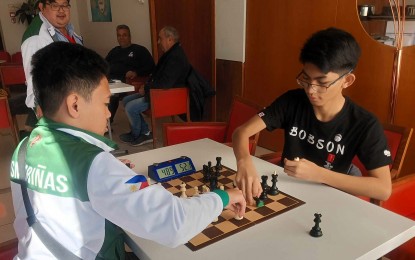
(226, 224)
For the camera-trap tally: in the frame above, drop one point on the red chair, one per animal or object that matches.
(12, 75)
(4, 55)
(398, 140)
(17, 58)
(8, 249)
(402, 202)
(241, 111)
(6, 120)
(167, 102)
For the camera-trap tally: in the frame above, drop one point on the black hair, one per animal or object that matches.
(124, 27)
(62, 68)
(331, 50)
(49, 1)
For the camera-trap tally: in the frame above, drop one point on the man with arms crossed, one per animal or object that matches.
(323, 129)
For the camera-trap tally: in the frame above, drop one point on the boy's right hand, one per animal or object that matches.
(237, 202)
(248, 181)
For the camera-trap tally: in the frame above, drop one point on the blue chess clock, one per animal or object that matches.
(171, 169)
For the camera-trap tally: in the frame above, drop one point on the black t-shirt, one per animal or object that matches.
(135, 58)
(332, 145)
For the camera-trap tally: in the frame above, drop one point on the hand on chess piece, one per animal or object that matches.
(237, 202)
(304, 169)
(248, 181)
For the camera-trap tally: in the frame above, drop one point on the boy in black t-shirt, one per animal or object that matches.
(322, 128)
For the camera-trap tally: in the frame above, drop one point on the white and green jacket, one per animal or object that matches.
(39, 34)
(79, 194)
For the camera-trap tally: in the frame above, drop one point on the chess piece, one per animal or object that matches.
(274, 190)
(205, 173)
(215, 219)
(183, 190)
(316, 230)
(265, 187)
(219, 163)
(196, 194)
(238, 217)
(259, 202)
(205, 189)
(222, 187)
(297, 159)
(213, 182)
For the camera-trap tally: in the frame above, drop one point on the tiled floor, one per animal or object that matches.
(119, 126)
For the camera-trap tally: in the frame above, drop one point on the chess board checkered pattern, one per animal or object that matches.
(227, 225)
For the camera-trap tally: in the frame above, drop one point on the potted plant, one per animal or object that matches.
(27, 11)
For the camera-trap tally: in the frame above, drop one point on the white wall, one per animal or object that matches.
(100, 37)
(230, 29)
(11, 33)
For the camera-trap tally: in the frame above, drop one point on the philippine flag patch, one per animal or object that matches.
(137, 182)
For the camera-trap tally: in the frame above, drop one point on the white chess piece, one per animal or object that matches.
(238, 217)
(222, 187)
(183, 190)
(215, 219)
(196, 194)
(297, 159)
(205, 189)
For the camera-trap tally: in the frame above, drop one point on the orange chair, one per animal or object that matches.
(167, 102)
(4, 55)
(6, 120)
(241, 111)
(12, 75)
(17, 58)
(8, 249)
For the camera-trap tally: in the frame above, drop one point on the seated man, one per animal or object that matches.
(127, 61)
(324, 130)
(81, 194)
(171, 71)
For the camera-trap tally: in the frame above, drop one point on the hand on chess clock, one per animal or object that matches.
(237, 202)
(303, 169)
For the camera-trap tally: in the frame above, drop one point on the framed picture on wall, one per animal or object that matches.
(99, 10)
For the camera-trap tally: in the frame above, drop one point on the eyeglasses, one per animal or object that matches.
(57, 7)
(319, 88)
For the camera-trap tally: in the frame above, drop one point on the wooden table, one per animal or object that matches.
(352, 228)
(115, 88)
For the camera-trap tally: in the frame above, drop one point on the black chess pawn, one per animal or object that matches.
(205, 173)
(274, 190)
(218, 163)
(213, 183)
(264, 192)
(316, 230)
(264, 184)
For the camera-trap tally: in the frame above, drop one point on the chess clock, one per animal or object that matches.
(171, 169)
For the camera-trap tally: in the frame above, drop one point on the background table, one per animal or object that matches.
(115, 88)
(352, 228)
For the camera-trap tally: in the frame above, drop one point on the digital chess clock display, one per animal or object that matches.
(171, 169)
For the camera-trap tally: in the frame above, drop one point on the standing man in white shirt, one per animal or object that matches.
(51, 25)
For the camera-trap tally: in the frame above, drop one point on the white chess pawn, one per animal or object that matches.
(183, 190)
(148, 180)
(205, 189)
(196, 194)
(222, 187)
(215, 219)
(297, 159)
(238, 217)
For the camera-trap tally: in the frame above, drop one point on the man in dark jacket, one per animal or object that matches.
(171, 71)
(127, 61)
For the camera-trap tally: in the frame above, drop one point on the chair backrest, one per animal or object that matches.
(398, 140)
(176, 133)
(241, 111)
(4, 55)
(12, 75)
(17, 57)
(168, 102)
(6, 120)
